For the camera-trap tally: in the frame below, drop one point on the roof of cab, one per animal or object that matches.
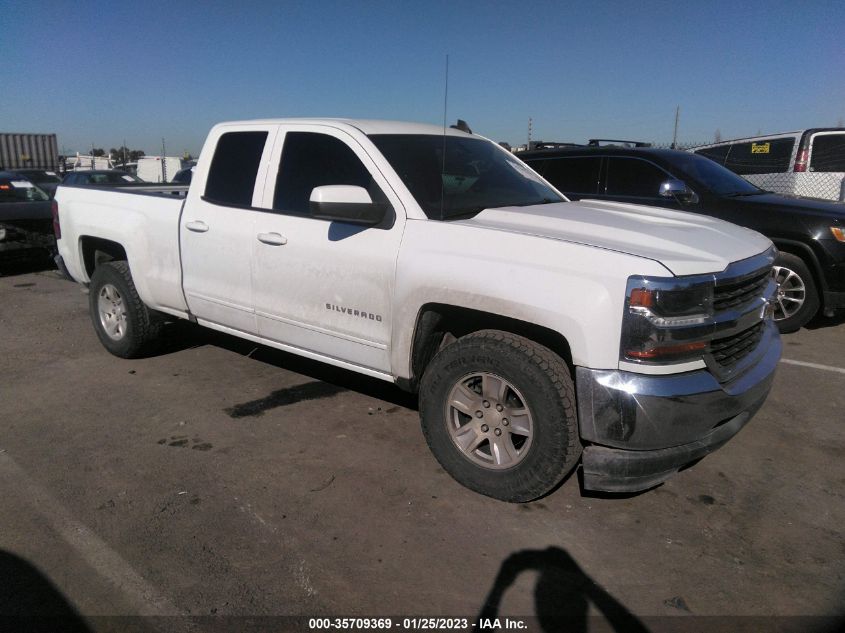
(367, 126)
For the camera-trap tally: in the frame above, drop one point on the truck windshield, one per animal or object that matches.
(476, 174)
(719, 180)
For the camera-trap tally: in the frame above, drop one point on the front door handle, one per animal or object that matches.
(274, 239)
(197, 226)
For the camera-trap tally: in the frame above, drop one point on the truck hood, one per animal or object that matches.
(685, 243)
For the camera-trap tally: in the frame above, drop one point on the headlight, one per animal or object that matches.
(666, 319)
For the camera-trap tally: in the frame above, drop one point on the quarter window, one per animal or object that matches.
(313, 160)
(231, 177)
(718, 153)
(633, 177)
(770, 156)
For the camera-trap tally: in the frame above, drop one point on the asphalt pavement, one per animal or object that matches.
(228, 479)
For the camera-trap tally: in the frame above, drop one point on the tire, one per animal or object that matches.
(124, 325)
(533, 452)
(797, 299)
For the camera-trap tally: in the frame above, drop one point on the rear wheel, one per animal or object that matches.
(498, 412)
(124, 325)
(797, 299)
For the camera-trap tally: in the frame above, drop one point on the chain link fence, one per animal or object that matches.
(808, 184)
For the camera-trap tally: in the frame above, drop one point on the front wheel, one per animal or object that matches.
(498, 412)
(124, 325)
(797, 299)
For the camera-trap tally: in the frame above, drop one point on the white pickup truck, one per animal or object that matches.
(538, 332)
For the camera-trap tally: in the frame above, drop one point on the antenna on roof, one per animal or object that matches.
(443, 169)
(462, 126)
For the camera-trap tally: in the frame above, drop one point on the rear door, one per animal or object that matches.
(826, 174)
(217, 225)
(323, 287)
(575, 176)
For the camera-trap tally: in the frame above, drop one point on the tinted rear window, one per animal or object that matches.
(570, 174)
(231, 177)
(16, 190)
(828, 153)
(760, 157)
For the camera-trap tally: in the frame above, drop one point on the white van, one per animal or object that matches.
(158, 168)
(82, 162)
(809, 163)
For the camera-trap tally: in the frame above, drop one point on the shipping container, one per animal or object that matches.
(29, 151)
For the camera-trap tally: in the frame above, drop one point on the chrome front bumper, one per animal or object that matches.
(639, 429)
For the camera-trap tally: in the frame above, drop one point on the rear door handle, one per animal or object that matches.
(274, 239)
(197, 226)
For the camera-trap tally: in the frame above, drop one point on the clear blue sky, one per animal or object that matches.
(103, 71)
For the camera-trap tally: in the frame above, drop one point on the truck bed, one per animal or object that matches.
(147, 213)
(144, 189)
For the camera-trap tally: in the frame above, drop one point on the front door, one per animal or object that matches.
(637, 181)
(325, 288)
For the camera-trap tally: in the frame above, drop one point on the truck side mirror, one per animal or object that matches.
(346, 203)
(678, 190)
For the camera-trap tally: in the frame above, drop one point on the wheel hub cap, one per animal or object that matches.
(791, 293)
(489, 421)
(112, 312)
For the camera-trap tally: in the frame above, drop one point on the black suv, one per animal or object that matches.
(810, 234)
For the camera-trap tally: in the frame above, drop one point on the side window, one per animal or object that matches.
(231, 177)
(633, 177)
(538, 165)
(575, 175)
(760, 157)
(312, 160)
(718, 154)
(828, 153)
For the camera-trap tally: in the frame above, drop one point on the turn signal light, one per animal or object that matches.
(667, 350)
(642, 298)
(838, 233)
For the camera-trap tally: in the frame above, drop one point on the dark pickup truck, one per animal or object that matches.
(26, 219)
(810, 233)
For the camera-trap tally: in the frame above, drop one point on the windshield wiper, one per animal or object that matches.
(740, 194)
(464, 213)
(529, 204)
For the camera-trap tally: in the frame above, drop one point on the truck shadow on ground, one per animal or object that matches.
(562, 595)
(30, 602)
(181, 335)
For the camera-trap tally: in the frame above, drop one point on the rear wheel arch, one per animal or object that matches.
(96, 251)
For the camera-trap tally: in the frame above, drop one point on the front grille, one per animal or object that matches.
(730, 350)
(737, 293)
